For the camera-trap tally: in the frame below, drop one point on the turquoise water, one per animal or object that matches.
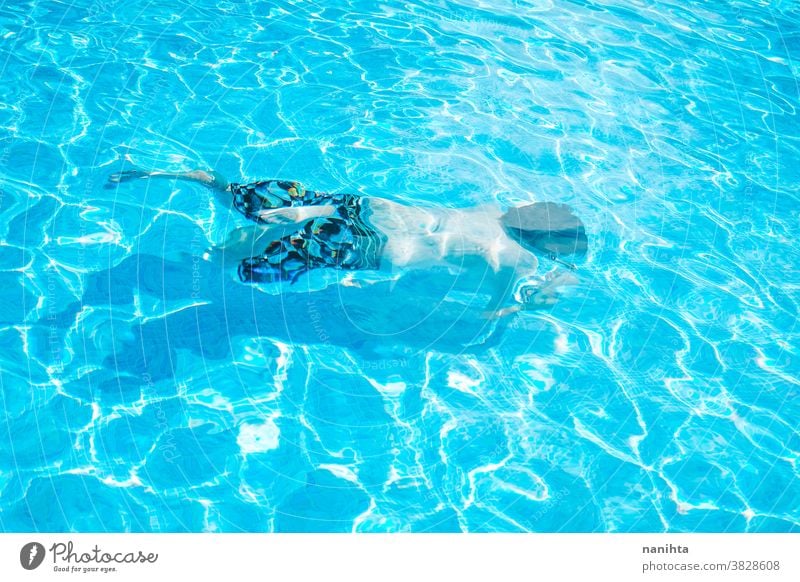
(144, 391)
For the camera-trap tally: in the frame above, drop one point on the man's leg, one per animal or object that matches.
(212, 179)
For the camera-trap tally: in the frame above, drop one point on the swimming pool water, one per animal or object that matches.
(143, 391)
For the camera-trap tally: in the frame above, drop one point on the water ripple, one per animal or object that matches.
(144, 393)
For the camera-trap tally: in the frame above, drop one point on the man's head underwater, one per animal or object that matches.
(547, 227)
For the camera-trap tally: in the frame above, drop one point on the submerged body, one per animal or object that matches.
(298, 230)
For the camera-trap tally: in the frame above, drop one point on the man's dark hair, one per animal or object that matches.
(547, 227)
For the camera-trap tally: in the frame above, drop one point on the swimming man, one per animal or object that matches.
(298, 230)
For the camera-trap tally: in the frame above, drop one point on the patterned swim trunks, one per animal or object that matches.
(343, 241)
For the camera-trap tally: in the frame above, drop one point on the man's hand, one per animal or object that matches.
(547, 294)
(540, 299)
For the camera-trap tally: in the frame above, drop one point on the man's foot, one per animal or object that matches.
(127, 175)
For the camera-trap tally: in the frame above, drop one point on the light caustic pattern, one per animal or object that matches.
(144, 391)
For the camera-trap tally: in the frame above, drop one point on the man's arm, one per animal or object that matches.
(503, 288)
(533, 297)
(513, 267)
